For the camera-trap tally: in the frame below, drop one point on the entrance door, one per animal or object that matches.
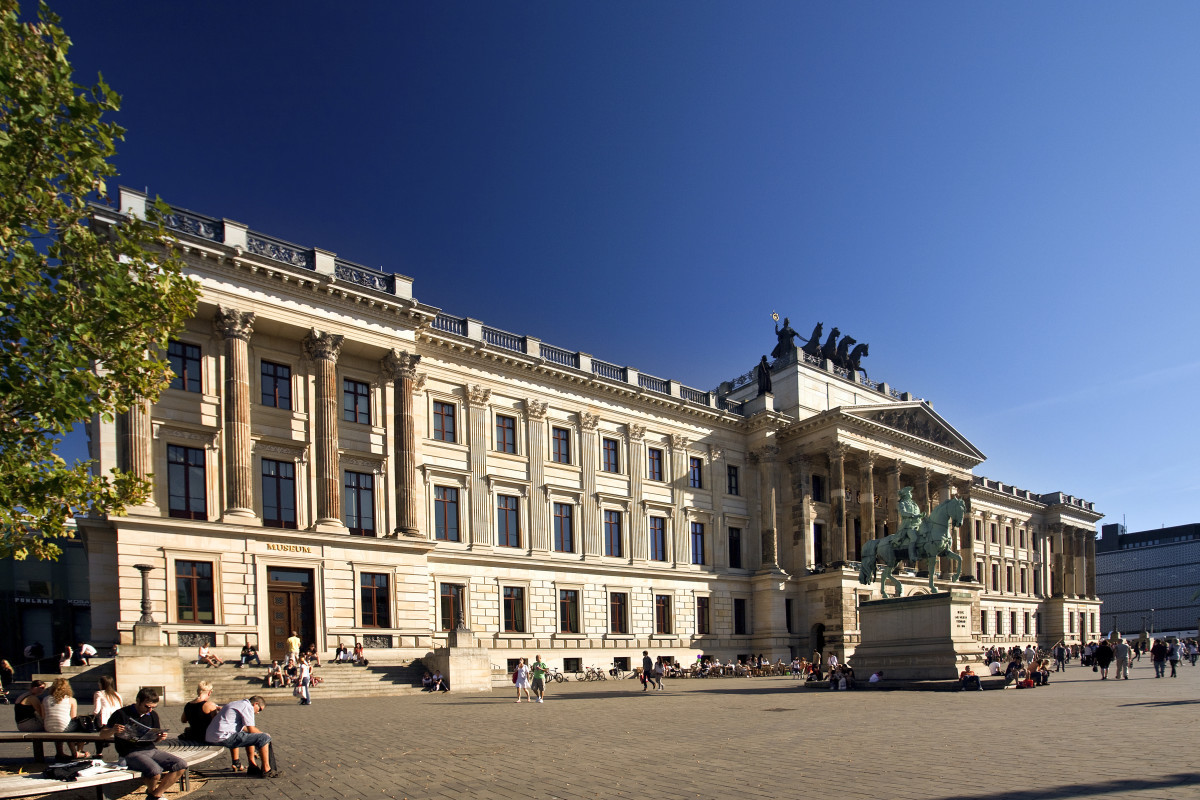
(290, 608)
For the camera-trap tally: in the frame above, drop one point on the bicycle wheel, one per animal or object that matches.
(579, 676)
(559, 677)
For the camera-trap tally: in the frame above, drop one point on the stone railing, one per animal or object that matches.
(695, 395)
(504, 339)
(449, 324)
(364, 276)
(559, 356)
(610, 371)
(195, 224)
(279, 250)
(654, 384)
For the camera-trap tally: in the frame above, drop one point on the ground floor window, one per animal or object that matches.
(194, 591)
(451, 603)
(740, 628)
(618, 612)
(662, 613)
(568, 610)
(373, 587)
(703, 626)
(514, 609)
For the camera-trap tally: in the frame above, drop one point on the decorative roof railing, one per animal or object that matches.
(559, 356)
(279, 250)
(449, 324)
(610, 371)
(365, 276)
(654, 384)
(695, 395)
(195, 224)
(504, 339)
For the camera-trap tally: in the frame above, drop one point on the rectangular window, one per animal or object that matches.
(654, 464)
(1070, 622)
(818, 489)
(356, 401)
(564, 528)
(373, 587)
(697, 542)
(787, 614)
(506, 434)
(561, 441)
(695, 473)
(994, 539)
(979, 571)
(194, 591)
(818, 549)
(1024, 582)
(186, 483)
(735, 548)
(739, 617)
(979, 530)
(1008, 579)
(732, 477)
(1092, 619)
(1028, 630)
(279, 494)
(983, 622)
(662, 613)
(185, 363)
(1007, 536)
(658, 539)
(443, 422)
(995, 587)
(360, 503)
(1021, 538)
(445, 513)
(451, 604)
(703, 623)
(276, 385)
(612, 534)
(618, 612)
(1000, 622)
(514, 609)
(568, 610)
(612, 456)
(1012, 622)
(508, 526)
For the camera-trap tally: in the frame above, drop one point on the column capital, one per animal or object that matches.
(399, 364)
(536, 409)
(715, 454)
(838, 452)
(895, 467)
(679, 441)
(635, 431)
(229, 323)
(478, 396)
(321, 346)
(588, 421)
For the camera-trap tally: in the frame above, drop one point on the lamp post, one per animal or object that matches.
(145, 630)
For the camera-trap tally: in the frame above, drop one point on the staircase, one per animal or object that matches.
(340, 680)
(85, 681)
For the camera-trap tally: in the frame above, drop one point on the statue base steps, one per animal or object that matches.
(917, 638)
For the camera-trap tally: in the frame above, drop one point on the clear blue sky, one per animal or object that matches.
(1002, 199)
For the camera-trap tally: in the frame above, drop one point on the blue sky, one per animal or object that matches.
(1002, 199)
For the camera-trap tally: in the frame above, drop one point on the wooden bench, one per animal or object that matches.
(40, 738)
(32, 784)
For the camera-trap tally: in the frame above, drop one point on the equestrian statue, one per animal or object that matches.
(928, 538)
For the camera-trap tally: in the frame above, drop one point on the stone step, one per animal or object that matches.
(343, 680)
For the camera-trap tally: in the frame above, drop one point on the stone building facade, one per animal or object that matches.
(338, 458)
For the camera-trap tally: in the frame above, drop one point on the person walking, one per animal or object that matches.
(660, 669)
(521, 679)
(1060, 657)
(293, 646)
(305, 682)
(1104, 656)
(647, 670)
(539, 668)
(1158, 657)
(1173, 650)
(1122, 653)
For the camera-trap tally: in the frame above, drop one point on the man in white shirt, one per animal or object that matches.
(233, 726)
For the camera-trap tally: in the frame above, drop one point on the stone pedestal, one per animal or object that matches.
(464, 661)
(923, 637)
(139, 665)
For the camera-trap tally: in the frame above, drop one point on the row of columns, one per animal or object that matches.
(322, 349)
(1074, 561)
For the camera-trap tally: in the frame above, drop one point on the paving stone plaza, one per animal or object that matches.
(742, 738)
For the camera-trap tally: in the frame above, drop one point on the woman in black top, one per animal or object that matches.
(198, 713)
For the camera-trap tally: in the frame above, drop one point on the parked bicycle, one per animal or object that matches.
(591, 674)
(554, 675)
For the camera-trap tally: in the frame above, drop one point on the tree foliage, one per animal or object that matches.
(87, 309)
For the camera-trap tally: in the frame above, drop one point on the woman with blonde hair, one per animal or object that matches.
(198, 713)
(61, 715)
(104, 702)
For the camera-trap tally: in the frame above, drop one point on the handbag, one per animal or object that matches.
(296, 692)
(88, 723)
(1095, 668)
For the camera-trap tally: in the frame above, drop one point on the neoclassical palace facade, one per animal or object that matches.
(337, 458)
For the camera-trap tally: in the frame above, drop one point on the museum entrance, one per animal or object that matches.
(290, 604)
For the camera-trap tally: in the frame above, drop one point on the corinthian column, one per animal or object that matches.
(837, 499)
(866, 502)
(323, 350)
(235, 328)
(400, 368)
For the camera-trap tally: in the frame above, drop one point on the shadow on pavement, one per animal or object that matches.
(1089, 789)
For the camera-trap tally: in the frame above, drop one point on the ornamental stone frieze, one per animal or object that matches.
(715, 454)
(915, 423)
(229, 323)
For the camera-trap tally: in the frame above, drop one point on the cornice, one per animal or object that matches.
(480, 354)
(837, 417)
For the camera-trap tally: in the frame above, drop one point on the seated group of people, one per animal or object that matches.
(292, 672)
(434, 682)
(231, 725)
(1018, 674)
(343, 655)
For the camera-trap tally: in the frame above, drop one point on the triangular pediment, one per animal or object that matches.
(918, 420)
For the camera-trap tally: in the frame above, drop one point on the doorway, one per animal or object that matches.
(290, 608)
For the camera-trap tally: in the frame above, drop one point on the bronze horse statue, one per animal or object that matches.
(840, 358)
(813, 343)
(830, 348)
(856, 356)
(935, 538)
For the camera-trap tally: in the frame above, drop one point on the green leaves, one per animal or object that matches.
(87, 310)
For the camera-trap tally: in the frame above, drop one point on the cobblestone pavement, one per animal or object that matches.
(744, 738)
